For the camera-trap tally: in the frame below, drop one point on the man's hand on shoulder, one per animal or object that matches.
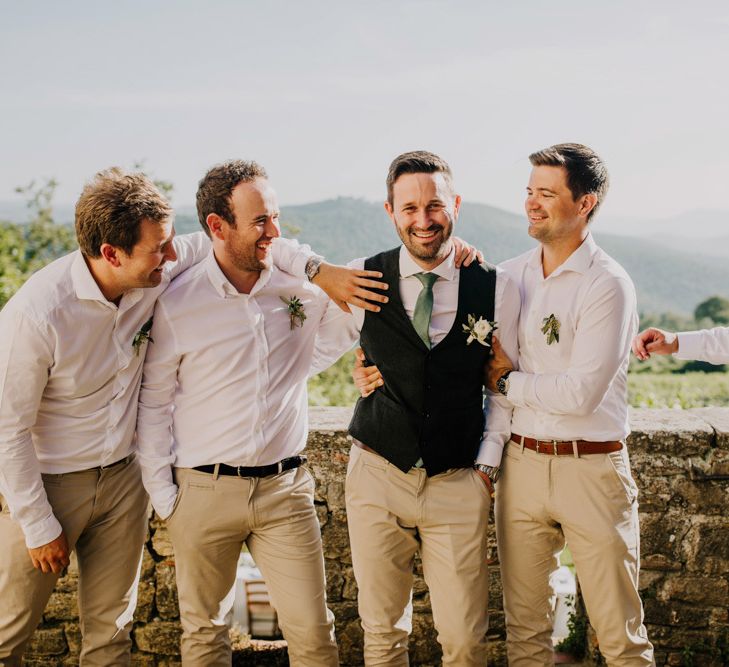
(351, 286)
(366, 378)
(654, 341)
(497, 365)
(51, 557)
(466, 254)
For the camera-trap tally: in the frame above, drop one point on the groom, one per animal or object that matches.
(411, 485)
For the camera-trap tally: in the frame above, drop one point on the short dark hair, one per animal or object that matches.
(111, 209)
(216, 187)
(417, 162)
(586, 172)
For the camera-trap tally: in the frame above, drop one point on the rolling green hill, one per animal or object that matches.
(667, 280)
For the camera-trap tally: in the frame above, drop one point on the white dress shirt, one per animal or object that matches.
(497, 409)
(69, 376)
(225, 381)
(711, 345)
(575, 388)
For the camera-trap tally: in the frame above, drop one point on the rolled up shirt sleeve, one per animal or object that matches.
(26, 355)
(497, 408)
(710, 345)
(601, 345)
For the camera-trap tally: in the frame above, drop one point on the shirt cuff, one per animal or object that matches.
(517, 387)
(689, 345)
(42, 533)
(490, 452)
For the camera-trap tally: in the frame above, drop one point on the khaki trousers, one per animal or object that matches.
(590, 501)
(391, 515)
(104, 516)
(275, 517)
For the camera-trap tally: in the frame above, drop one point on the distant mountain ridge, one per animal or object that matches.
(666, 279)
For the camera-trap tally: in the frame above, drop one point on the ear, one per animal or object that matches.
(215, 225)
(587, 204)
(110, 254)
(456, 207)
(389, 210)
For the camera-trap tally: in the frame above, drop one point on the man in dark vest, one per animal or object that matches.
(426, 448)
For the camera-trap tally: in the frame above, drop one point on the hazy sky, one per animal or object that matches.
(325, 94)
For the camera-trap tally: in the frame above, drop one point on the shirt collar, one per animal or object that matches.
(409, 267)
(579, 261)
(222, 285)
(83, 282)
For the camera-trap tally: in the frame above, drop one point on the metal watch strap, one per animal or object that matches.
(492, 472)
(312, 267)
(502, 384)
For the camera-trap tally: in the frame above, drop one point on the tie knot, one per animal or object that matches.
(427, 279)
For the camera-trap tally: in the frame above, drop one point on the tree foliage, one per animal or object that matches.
(715, 308)
(28, 247)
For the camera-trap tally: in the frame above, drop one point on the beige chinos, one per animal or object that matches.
(103, 513)
(591, 502)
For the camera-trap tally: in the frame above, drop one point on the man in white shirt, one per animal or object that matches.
(421, 425)
(565, 472)
(710, 345)
(223, 422)
(72, 343)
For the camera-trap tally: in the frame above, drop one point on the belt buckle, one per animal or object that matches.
(237, 471)
(553, 443)
(279, 467)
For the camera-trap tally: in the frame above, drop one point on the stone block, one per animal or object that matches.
(718, 420)
(675, 432)
(349, 592)
(704, 591)
(334, 579)
(145, 601)
(73, 638)
(166, 593)
(158, 637)
(161, 544)
(709, 546)
(47, 642)
(350, 639)
(335, 537)
(322, 513)
(61, 607)
(423, 646)
(675, 613)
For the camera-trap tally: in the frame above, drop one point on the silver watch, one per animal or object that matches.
(502, 384)
(492, 472)
(312, 267)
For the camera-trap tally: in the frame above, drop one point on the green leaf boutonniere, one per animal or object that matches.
(142, 336)
(550, 328)
(479, 330)
(296, 311)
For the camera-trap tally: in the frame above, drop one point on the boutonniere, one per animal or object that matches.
(550, 328)
(479, 330)
(142, 336)
(296, 311)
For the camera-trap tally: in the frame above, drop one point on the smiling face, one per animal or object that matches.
(553, 213)
(256, 213)
(142, 267)
(424, 209)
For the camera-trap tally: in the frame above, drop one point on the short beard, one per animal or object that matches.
(432, 253)
(246, 260)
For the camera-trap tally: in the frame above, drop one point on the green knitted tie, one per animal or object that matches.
(424, 306)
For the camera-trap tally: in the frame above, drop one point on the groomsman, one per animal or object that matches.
(711, 345)
(565, 472)
(72, 343)
(426, 453)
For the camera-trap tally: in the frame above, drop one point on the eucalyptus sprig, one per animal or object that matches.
(142, 336)
(296, 311)
(550, 328)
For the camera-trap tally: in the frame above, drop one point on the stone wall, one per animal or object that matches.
(681, 463)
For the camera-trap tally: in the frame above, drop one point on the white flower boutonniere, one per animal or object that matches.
(479, 330)
(296, 311)
(142, 336)
(550, 328)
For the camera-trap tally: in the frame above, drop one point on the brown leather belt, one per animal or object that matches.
(567, 447)
(361, 445)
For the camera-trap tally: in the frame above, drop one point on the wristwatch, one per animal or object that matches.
(312, 267)
(502, 384)
(492, 472)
